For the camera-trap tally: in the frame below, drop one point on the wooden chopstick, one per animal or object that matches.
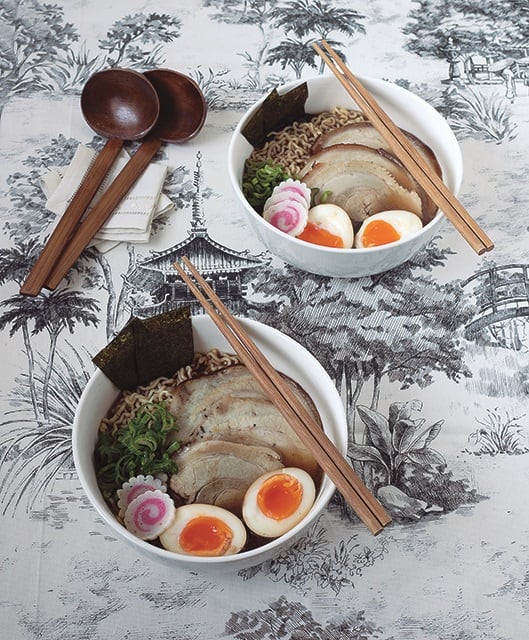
(102, 210)
(366, 506)
(407, 154)
(70, 219)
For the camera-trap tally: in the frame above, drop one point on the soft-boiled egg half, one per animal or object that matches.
(204, 530)
(328, 225)
(277, 501)
(385, 227)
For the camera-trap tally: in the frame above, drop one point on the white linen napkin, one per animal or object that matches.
(132, 219)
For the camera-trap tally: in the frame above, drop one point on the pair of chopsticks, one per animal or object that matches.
(72, 235)
(44, 270)
(407, 154)
(332, 462)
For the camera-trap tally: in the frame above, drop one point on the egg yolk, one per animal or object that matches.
(317, 235)
(279, 496)
(206, 536)
(379, 232)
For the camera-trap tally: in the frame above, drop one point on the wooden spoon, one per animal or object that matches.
(120, 105)
(182, 114)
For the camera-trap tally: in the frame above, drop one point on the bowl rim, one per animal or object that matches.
(323, 496)
(335, 251)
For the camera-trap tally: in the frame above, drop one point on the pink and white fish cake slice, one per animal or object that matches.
(133, 488)
(149, 514)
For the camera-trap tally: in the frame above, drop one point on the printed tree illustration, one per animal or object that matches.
(249, 12)
(305, 18)
(34, 452)
(429, 319)
(35, 439)
(58, 311)
(302, 22)
(403, 325)
(493, 29)
(53, 313)
(31, 39)
(295, 54)
(13, 268)
(135, 41)
(33, 448)
(124, 40)
(289, 619)
(36, 52)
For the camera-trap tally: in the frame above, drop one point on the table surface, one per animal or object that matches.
(446, 335)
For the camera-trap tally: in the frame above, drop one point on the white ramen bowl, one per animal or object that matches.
(410, 113)
(288, 357)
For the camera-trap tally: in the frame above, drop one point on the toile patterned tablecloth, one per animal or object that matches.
(442, 340)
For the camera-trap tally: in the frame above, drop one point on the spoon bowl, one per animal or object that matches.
(182, 115)
(182, 106)
(118, 104)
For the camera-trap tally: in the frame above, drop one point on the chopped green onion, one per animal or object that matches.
(317, 196)
(142, 447)
(324, 197)
(259, 180)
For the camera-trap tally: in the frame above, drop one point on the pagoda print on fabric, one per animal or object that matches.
(153, 285)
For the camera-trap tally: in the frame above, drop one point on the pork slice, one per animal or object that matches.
(344, 153)
(227, 493)
(362, 188)
(193, 401)
(231, 406)
(219, 471)
(190, 401)
(366, 134)
(257, 422)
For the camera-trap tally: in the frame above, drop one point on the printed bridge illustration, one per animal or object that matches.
(502, 294)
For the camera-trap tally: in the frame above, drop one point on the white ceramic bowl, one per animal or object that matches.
(409, 112)
(287, 356)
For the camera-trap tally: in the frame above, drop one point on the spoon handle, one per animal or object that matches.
(70, 218)
(103, 209)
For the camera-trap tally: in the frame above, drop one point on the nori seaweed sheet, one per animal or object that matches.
(146, 349)
(276, 111)
(118, 359)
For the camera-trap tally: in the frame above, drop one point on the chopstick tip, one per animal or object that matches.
(486, 248)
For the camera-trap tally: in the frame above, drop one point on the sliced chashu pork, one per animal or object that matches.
(362, 188)
(218, 472)
(191, 400)
(231, 406)
(344, 153)
(256, 421)
(366, 134)
(223, 492)
(340, 153)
